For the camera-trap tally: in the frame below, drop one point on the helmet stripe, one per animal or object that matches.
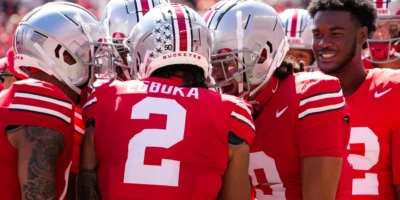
(379, 3)
(143, 7)
(182, 42)
(190, 31)
(212, 11)
(294, 21)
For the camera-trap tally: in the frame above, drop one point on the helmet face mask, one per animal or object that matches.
(227, 71)
(383, 46)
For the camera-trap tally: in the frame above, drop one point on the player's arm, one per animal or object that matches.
(322, 134)
(88, 187)
(236, 182)
(321, 172)
(38, 152)
(320, 177)
(71, 191)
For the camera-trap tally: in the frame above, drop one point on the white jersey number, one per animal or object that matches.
(369, 184)
(260, 160)
(167, 174)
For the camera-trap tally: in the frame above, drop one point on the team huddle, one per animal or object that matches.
(154, 101)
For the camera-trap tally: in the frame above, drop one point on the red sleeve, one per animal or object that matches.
(323, 126)
(241, 121)
(34, 108)
(326, 139)
(91, 107)
(79, 131)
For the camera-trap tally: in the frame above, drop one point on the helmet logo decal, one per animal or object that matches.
(118, 35)
(163, 39)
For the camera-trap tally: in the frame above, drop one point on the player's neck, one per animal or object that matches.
(351, 76)
(51, 79)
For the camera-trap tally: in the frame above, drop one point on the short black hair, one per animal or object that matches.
(363, 11)
(288, 66)
(193, 76)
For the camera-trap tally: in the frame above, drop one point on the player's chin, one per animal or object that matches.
(327, 67)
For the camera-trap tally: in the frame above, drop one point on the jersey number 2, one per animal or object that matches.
(369, 184)
(166, 174)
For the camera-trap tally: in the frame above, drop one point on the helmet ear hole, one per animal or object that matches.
(263, 56)
(68, 58)
(57, 51)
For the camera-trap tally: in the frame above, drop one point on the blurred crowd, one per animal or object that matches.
(12, 11)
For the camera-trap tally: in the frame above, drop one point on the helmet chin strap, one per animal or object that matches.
(54, 70)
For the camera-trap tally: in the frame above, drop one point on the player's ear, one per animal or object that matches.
(362, 35)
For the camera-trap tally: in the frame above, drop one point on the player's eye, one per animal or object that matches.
(301, 56)
(317, 35)
(337, 34)
(394, 32)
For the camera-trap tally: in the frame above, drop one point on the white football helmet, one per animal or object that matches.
(118, 20)
(169, 34)
(250, 35)
(298, 28)
(384, 45)
(59, 39)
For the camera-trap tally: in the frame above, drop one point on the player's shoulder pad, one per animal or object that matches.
(385, 81)
(34, 96)
(99, 92)
(240, 109)
(385, 77)
(314, 83)
(236, 101)
(318, 93)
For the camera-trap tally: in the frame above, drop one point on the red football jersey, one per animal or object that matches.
(34, 103)
(155, 140)
(305, 115)
(79, 131)
(375, 135)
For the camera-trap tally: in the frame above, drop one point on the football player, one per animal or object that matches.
(118, 20)
(56, 42)
(302, 129)
(383, 48)
(341, 29)
(166, 136)
(298, 30)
